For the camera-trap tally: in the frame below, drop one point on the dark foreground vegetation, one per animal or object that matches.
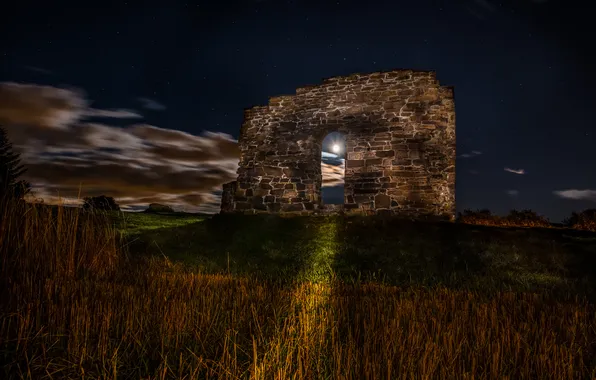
(113, 295)
(585, 220)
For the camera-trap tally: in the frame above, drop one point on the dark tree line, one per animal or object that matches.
(11, 188)
(585, 220)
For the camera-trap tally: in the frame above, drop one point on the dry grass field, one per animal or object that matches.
(114, 296)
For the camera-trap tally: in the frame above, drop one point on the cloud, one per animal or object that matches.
(38, 70)
(328, 155)
(119, 114)
(151, 104)
(516, 171)
(119, 164)
(333, 175)
(40, 106)
(33, 105)
(480, 8)
(586, 194)
(332, 170)
(137, 164)
(473, 153)
(512, 193)
(474, 13)
(486, 5)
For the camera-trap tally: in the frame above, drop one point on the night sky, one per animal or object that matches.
(144, 101)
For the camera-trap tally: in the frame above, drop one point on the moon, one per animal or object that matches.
(335, 148)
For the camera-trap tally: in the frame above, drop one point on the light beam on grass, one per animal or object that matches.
(310, 299)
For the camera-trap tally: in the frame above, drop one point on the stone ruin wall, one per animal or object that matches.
(400, 147)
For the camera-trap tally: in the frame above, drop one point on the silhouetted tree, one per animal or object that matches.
(100, 203)
(10, 170)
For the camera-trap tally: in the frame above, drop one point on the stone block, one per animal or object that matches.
(261, 192)
(260, 207)
(382, 201)
(354, 163)
(370, 185)
(355, 156)
(374, 162)
(361, 198)
(365, 191)
(375, 174)
(289, 172)
(290, 207)
(385, 153)
(242, 206)
(274, 207)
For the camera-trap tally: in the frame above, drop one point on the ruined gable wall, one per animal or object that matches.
(400, 141)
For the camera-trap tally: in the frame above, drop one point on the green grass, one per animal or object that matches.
(360, 249)
(134, 223)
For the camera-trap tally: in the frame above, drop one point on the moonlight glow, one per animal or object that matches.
(335, 148)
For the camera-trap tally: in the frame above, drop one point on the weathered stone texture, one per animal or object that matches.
(400, 147)
(227, 196)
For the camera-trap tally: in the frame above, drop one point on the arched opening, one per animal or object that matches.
(333, 154)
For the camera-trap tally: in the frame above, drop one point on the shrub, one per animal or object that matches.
(525, 218)
(585, 220)
(484, 217)
(157, 207)
(100, 203)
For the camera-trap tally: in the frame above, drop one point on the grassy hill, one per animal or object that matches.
(392, 251)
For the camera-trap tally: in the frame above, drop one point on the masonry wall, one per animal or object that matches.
(400, 147)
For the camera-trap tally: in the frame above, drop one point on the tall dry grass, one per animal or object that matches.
(74, 306)
(523, 218)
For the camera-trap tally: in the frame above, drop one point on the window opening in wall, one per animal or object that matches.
(332, 168)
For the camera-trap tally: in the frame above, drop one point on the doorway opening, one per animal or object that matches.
(333, 154)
